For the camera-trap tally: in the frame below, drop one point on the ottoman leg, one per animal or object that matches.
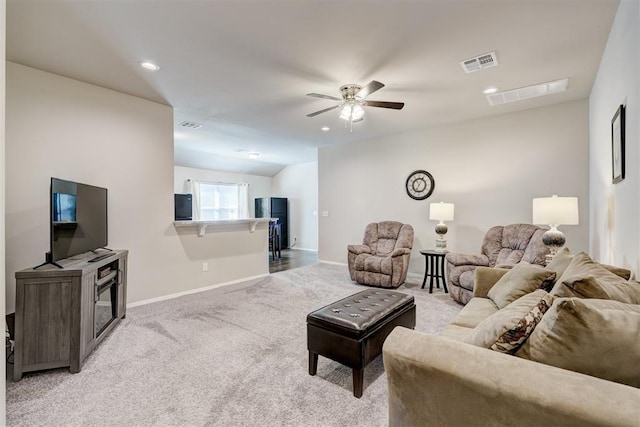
(313, 363)
(358, 381)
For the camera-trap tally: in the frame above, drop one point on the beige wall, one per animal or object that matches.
(299, 183)
(68, 129)
(615, 208)
(490, 168)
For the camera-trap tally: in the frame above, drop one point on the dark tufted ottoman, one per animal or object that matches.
(351, 331)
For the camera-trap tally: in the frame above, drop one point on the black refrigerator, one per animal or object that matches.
(275, 207)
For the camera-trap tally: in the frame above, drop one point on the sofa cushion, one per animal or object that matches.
(563, 258)
(591, 336)
(505, 330)
(518, 281)
(475, 312)
(585, 278)
(456, 332)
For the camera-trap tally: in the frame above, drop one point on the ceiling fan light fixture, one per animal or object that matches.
(357, 112)
(352, 111)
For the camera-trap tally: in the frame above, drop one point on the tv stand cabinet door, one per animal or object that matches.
(87, 320)
(47, 324)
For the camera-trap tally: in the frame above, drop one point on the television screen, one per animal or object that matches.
(64, 207)
(78, 218)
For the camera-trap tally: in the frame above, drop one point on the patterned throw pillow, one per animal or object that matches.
(512, 339)
(506, 330)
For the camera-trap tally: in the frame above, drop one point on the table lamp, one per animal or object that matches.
(441, 212)
(555, 211)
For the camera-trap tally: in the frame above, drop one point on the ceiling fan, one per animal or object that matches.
(353, 101)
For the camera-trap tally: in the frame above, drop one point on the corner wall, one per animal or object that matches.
(615, 208)
(490, 168)
(299, 183)
(64, 128)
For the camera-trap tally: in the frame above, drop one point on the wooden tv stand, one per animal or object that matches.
(60, 313)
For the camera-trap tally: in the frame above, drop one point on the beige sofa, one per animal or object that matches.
(439, 380)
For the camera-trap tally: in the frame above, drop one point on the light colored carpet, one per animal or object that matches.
(231, 356)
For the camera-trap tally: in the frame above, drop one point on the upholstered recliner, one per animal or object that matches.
(383, 258)
(503, 246)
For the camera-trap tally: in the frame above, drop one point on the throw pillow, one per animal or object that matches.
(563, 258)
(520, 280)
(585, 278)
(560, 261)
(594, 337)
(505, 330)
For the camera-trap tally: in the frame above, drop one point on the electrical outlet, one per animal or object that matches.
(205, 266)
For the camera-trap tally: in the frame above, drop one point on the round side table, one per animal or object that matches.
(434, 269)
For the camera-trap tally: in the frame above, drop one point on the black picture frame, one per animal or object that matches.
(617, 145)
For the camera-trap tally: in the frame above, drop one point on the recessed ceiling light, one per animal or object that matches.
(325, 128)
(149, 65)
(490, 90)
(253, 154)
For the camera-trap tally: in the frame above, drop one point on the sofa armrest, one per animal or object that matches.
(437, 381)
(467, 259)
(359, 249)
(486, 277)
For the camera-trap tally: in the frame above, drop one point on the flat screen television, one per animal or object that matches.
(78, 218)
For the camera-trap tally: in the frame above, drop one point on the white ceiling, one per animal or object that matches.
(242, 68)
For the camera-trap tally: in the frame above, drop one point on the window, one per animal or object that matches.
(219, 201)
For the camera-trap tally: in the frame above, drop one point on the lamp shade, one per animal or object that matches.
(555, 210)
(441, 211)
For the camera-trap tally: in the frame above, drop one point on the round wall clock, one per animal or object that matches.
(420, 185)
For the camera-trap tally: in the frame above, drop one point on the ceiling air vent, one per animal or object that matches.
(486, 60)
(190, 125)
(528, 92)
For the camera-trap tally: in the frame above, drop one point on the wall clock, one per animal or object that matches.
(420, 184)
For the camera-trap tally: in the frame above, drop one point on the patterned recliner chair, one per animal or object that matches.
(383, 258)
(503, 246)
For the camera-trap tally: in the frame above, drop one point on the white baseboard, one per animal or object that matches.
(416, 276)
(303, 249)
(333, 262)
(194, 291)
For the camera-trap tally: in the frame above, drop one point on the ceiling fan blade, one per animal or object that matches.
(319, 95)
(384, 104)
(323, 111)
(373, 86)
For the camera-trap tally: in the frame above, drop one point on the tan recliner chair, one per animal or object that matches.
(383, 258)
(503, 247)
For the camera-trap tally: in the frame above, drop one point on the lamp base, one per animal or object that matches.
(554, 239)
(441, 243)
